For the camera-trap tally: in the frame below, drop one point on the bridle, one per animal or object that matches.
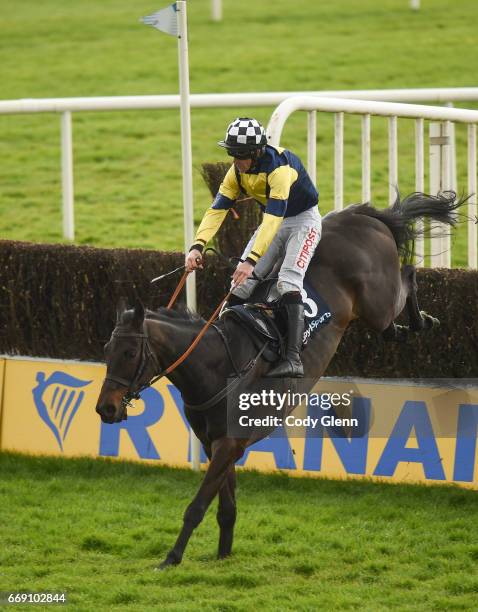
(134, 388)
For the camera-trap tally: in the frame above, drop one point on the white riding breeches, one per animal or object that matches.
(294, 244)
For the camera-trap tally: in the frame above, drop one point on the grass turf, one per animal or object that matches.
(127, 164)
(97, 528)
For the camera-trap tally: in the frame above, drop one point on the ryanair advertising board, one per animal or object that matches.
(390, 430)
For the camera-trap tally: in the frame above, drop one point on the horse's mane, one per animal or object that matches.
(180, 314)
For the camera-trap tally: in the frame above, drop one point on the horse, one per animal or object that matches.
(356, 268)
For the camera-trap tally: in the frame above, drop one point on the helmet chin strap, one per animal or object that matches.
(256, 153)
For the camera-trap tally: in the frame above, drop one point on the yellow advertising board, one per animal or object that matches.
(405, 431)
(2, 373)
(50, 409)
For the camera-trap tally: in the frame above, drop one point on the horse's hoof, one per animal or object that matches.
(429, 321)
(222, 556)
(401, 333)
(168, 562)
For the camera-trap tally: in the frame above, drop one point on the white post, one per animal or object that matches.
(216, 10)
(472, 207)
(366, 191)
(415, 5)
(436, 143)
(339, 161)
(419, 186)
(446, 177)
(187, 174)
(312, 145)
(67, 176)
(453, 179)
(392, 160)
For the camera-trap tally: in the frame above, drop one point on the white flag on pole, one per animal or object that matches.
(165, 20)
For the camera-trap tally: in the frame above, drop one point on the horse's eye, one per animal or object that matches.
(130, 354)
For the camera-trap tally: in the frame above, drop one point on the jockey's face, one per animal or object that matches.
(242, 165)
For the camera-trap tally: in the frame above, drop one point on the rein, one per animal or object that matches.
(147, 352)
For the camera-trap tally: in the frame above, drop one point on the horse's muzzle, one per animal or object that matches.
(109, 414)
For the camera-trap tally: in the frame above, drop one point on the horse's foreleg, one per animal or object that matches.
(226, 513)
(225, 452)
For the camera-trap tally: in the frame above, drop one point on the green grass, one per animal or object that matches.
(127, 164)
(97, 529)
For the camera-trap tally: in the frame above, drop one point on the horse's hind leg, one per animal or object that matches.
(395, 332)
(419, 320)
(226, 514)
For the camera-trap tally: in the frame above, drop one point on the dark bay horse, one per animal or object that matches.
(356, 269)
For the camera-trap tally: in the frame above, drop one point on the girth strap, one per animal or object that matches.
(223, 337)
(215, 399)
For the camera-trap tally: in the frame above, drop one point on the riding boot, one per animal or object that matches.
(291, 366)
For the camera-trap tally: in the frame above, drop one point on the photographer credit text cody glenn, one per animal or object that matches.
(272, 399)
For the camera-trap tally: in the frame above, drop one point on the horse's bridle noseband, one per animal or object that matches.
(134, 388)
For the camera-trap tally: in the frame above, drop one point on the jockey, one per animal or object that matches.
(290, 229)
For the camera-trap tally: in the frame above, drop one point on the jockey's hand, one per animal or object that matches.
(241, 273)
(193, 260)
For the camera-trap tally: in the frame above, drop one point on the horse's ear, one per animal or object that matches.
(139, 311)
(120, 308)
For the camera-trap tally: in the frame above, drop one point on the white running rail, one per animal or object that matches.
(67, 106)
(440, 153)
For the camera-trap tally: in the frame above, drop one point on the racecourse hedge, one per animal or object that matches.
(59, 301)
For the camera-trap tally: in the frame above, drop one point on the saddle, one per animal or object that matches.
(262, 320)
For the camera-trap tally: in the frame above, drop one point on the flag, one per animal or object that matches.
(165, 20)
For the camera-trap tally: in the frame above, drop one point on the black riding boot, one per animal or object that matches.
(291, 366)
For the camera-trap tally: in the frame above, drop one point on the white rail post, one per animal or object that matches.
(312, 145)
(435, 169)
(67, 176)
(419, 186)
(472, 206)
(438, 140)
(339, 162)
(392, 159)
(453, 179)
(446, 177)
(216, 10)
(366, 190)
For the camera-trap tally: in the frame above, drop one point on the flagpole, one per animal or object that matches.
(187, 176)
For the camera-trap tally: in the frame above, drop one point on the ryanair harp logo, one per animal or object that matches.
(57, 399)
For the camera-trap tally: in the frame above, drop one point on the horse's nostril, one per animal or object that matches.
(107, 410)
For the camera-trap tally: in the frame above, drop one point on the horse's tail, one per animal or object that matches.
(400, 217)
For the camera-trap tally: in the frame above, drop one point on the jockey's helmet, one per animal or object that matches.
(245, 138)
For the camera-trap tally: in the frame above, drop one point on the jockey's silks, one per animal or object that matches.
(278, 182)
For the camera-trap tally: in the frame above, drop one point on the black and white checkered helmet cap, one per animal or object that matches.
(244, 133)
